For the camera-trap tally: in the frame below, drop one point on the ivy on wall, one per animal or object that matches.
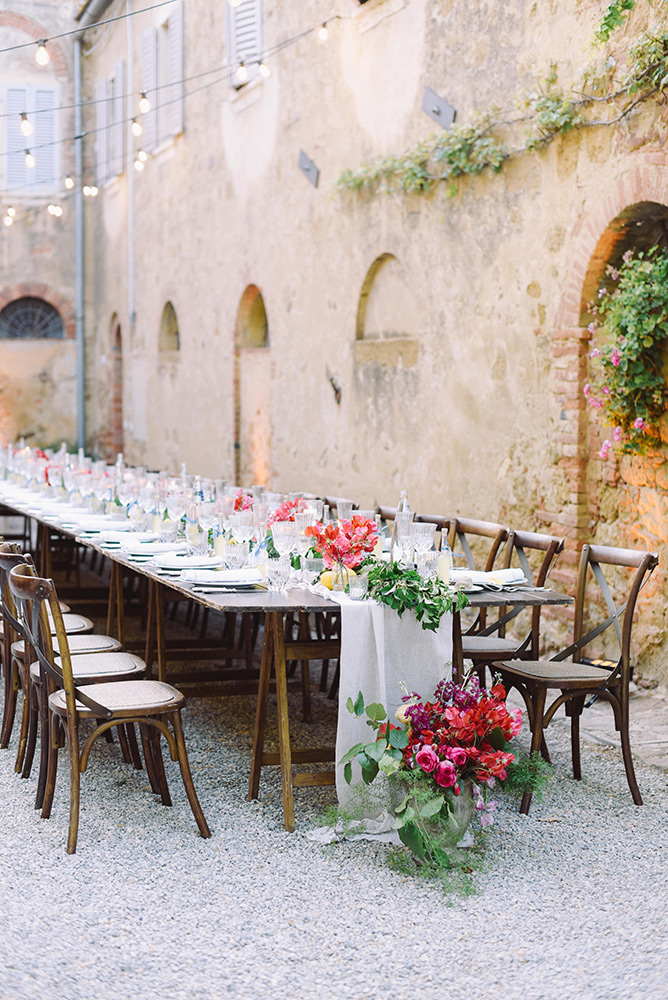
(489, 139)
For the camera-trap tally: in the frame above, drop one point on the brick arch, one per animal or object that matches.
(37, 30)
(593, 239)
(37, 290)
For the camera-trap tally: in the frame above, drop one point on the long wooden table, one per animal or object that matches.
(277, 651)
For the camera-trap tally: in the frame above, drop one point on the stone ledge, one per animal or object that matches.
(403, 350)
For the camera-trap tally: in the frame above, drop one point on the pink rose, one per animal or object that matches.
(445, 774)
(457, 755)
(426, 758)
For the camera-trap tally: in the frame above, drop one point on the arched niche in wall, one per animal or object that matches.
(252, 390)
(169, 338)
(387, 322)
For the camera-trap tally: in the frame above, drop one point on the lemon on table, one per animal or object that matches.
(326, 578)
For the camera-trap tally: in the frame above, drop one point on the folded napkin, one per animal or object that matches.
(496, 579)
(135, 547)
(225, 577)
(97, 522)
(134, 539)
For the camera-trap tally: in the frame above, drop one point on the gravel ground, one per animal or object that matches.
(571, 901)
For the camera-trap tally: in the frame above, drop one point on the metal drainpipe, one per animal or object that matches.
(130, 174)
(79, 251)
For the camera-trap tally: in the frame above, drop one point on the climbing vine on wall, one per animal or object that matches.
(628, 392)
(605, 97)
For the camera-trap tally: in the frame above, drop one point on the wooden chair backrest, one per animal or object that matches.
(10, 556)
(462, 529)
(517, 553)
(33, 595)
(592, 560)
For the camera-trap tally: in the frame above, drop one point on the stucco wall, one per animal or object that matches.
(477, 406)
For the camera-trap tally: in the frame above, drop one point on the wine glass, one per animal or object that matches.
(284, 535)
(177, 504)
(403, 537)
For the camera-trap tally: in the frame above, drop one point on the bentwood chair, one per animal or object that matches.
(491, 642)
(486, 537)
(153, 705)
(572, 677)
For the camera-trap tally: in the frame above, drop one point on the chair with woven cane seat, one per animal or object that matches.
(464, 531)
(491, 643)
(575, 680)
(151, 704)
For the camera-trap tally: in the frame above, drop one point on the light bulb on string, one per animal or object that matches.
(11, 212)
(30, 159)
(142, 156)
(242, 72)
(139, 165)
(25, 126)
(235, 3)
(264, 69)
(55, 210)
(323, 33)
(8, 220)
(42, 56)
(144, 103)
(137, 127)
(86, 191)
(93, 191)
(69, 182)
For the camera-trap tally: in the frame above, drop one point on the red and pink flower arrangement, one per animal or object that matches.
(456, 745)
(243, 501)
(344, 542)
(286, 511)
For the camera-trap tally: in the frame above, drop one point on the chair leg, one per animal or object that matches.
(75, 787)
(9, 712)
(23, 733)
(536, 738)
(187, 776)
(123, 741)
(576, 706)
(134, 749)
(159, 766)
(31, 739)
(52, 766)
(628, 759)
(148, 757)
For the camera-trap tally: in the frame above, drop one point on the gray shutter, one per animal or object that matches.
(117, 130)
(149, 81)
(175, 107)
(46, 149)
(245, 35)
(16, 101)
(101, 132)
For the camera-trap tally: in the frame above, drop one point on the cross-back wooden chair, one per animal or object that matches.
(575, 680)
(491, 643)
(463, 531)
(153, 705)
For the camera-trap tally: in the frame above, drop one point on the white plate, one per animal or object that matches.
(178, 560)
(475, 588)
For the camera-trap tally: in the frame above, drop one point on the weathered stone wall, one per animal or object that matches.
(37, 378)
(471, 398)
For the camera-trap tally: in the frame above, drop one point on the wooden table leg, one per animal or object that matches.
(150, 629)
(116, 605)
(261, 710)
(160, 631)
(284, 748)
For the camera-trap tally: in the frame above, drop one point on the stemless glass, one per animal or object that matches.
(344, 509)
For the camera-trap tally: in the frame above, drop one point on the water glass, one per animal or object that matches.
(357, 587)
(344, 509)
(313, 569)
(278, 573)
(427, 564)
(284, 535)
(423, 536)
(168, 530)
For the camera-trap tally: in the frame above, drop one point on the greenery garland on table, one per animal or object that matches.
(489, 139)
(405, 590)
(629, 390)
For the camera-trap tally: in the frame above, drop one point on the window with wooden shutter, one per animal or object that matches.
(116, 106)
(40, 104)
(175, 69)
(244, 37)
(101, 133)
(149, 82)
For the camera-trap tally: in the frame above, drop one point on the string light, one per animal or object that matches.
(11, 212)
(139, 165)
(42, 56)
(89, 191)
(30, 159)
(69, 182)
(242, 72)
(137, 127)
(55, 210)
(235, 3)
(8, 220)
(264, 70)
(86, 191)
(144, 103)
(141, 155)
(323, 33)
(26, 127)
(93, 191)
